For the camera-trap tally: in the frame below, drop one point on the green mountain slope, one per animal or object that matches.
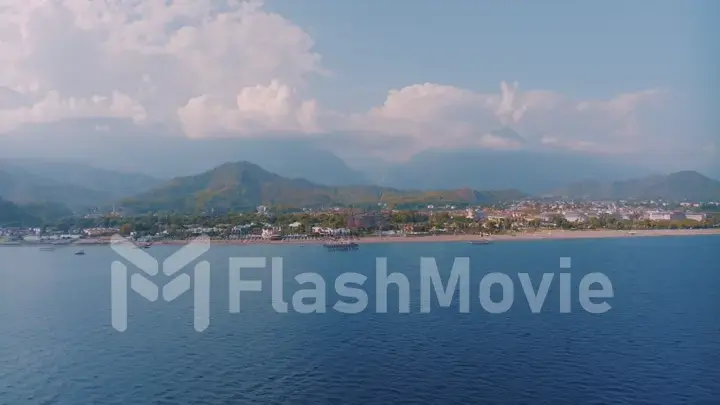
(13, 215)
(26, 188)
(73, 185)
(243, 186)
(113, 183)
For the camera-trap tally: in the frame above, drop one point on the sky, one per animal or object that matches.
(393, 78)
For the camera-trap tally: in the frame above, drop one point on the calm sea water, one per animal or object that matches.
(660, 342)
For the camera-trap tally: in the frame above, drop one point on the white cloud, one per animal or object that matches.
(434, 115)
(257, 109)
(165, 55)
(54, 108)
(230, 66)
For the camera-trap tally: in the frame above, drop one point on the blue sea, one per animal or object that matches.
(658, 344)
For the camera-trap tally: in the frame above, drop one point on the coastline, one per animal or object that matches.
(528, 236)
(520, 236)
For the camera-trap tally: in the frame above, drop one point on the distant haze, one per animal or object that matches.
(158, 152)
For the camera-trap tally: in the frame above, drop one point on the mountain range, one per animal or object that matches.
(52, 189)
(685, 185)
(72, 184)
(334, 159)
(532, 172)
(244, 186)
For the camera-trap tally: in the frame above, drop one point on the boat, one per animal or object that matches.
(80, 253)
(480, 242)
(341, 245)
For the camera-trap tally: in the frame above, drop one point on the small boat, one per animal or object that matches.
(341, 245)
(80, 253)
(480, 242)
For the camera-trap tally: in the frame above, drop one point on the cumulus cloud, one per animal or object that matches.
(166, 55)
(232, 67)
(434, 115)
(257, 109)
(54, 108)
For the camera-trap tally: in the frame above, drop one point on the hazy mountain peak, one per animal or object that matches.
(685, 185)
(243, 185)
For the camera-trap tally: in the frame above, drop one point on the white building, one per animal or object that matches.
(574, 216)
(267, 233)
(696, 216)
(665, 215)
(331, 231)
(475, 215)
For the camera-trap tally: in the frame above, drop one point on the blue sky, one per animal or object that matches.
(582, 49)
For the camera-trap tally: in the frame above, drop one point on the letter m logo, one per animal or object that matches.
(141, 284)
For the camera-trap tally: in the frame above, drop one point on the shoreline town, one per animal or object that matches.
(524, 220)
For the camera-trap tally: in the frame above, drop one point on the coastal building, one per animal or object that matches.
(547, 216)
(367, 220)
(696, 216)
(665, 215)
(96, 232)
(268, 233)
(475, 215)
(575, 216)
(330, 231)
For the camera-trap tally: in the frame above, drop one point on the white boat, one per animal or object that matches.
(341, 245)
(480, 242)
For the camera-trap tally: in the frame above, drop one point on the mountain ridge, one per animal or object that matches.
(26, 181)
(245, 185)
(687, 185)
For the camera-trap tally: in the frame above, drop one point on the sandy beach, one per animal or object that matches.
(540, 235)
